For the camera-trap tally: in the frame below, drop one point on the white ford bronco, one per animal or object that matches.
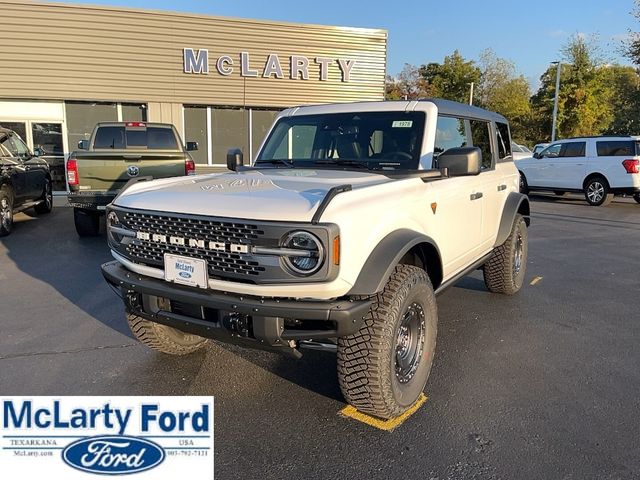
(338, 237)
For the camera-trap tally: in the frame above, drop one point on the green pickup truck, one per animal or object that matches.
(117, 153)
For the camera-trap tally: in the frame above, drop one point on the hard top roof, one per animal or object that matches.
(445, 107)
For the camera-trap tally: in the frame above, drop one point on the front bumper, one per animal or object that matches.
(254, 322)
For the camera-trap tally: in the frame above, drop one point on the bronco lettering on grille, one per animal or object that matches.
(194, 243)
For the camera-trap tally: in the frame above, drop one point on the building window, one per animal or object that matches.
(82, 118)
(134, 112)
(195, 130)
(48, 137)
(19, 127)
(230, 129)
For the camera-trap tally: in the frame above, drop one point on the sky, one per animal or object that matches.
(530, 34)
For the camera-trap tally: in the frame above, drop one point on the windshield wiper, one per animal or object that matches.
(274, 161)
(343, 161)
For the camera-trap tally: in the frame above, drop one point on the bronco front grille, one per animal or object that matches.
(220, 263)
(193, 228)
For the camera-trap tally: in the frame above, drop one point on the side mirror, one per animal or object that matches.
(192, 146)
(234, 159)
(461, 161)
(83, 145)
(38, 152)
(536, 155)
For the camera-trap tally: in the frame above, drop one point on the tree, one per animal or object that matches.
(631, 47)
(408, 85)
(451, 79)
(502, 90)
(624, 85)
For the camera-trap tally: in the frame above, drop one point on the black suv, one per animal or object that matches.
(25, 180)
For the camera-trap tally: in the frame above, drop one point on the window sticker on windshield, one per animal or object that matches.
(402, 124)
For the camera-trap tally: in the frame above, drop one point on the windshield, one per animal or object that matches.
(374, 140)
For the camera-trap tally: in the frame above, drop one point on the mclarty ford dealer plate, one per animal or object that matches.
(90, 437)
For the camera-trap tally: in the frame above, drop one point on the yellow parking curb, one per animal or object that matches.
(386, 425)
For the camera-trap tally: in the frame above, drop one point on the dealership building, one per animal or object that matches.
(220, 81)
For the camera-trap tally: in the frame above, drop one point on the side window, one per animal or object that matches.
(16, 146)
(623, 148)
(552, 151)
(504, 141)
(481, 137)
(573, 149)
(450, 133)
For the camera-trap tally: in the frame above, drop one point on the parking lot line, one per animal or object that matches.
(386, 425)
(535, 280)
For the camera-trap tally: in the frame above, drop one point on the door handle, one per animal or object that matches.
(502, 187)
(476, 196)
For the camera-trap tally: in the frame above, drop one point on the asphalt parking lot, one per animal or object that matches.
(542, 385)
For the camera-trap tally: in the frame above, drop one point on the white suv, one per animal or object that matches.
(601, 167)
(337, 238)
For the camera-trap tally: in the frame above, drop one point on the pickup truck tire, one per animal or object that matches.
(6, 210)
(384, 367)
(87, 222)
(47, 199)
(164, 338)
(597, 192)
(636, 197)
(504, 271)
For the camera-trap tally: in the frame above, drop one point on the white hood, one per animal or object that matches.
(273, 194)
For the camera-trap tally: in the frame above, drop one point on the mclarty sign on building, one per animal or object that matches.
(128, 55)
(197, 61)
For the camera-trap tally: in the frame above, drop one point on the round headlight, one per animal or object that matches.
(311, 253)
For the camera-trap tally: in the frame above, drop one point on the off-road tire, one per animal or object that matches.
(6, 211)
(523, 186)
(87, 222)
(367, 360)
(163, 338)
(47, 200)
(636, 197)
(598, 184)
(500, 272)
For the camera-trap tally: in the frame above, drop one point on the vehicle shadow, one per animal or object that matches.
(48, 249)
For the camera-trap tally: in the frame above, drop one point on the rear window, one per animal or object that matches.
(152, 138)
(617, 148)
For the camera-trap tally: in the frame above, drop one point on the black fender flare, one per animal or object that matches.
(385, 256)
(516, 203)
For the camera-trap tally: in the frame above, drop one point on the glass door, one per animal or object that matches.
(48, 137)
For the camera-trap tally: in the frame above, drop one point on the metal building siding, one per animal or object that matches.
(57, 51)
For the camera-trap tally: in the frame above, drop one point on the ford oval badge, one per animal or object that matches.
(113, 455)
(184, 274)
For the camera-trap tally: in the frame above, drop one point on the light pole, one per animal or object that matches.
(471, 94)
(555, 101)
